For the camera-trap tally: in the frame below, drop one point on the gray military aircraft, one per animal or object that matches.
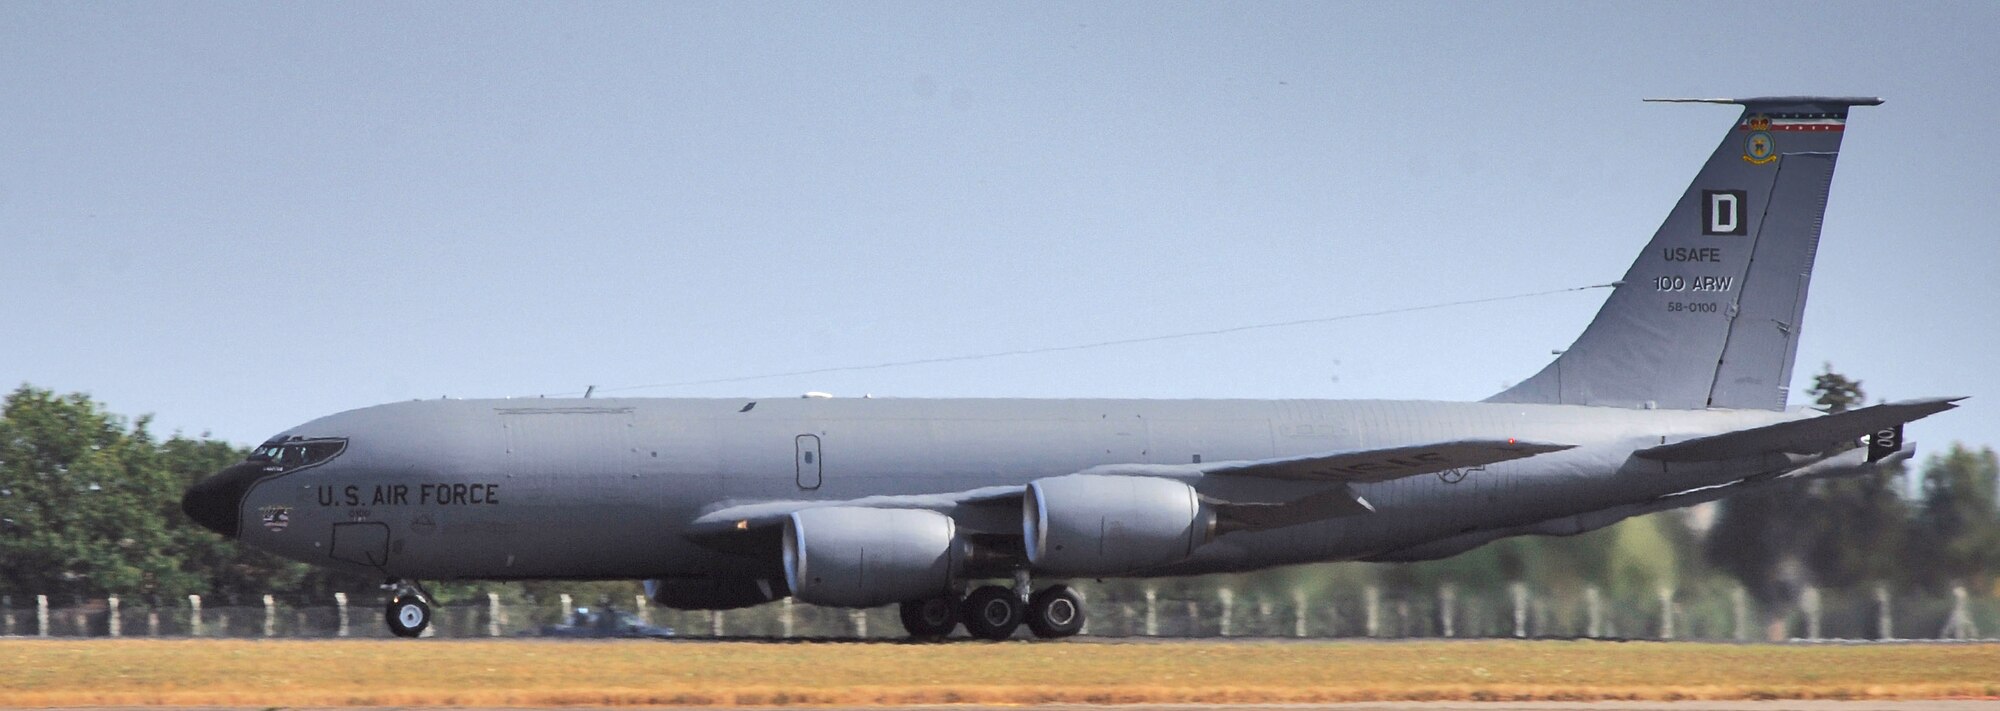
(1674, 395)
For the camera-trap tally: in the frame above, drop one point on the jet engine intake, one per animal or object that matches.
(850, 556)
(1099, 524)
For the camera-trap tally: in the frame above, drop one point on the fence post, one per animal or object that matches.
(340, 607)
(1371, 605)
(1666, 613)
(1228, 606)
(1959, 625)
(565, 601)
(1519, 592)
(645, 611)
(1152, 613)
(194, 615)
(859, 618)
(493, 614)
(1083, 602)
(270, 616)
(715, 623)
(111, 625)
(6, 615)
(1298, 612)
(1447, 609)
(1194, 618)
(1593, 613)
(785, 618)
(152, 622)
(1739, 603)
(41, 615)
(1884, 623)
(1809, 604)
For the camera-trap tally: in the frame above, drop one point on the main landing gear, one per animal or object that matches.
(409, 610)
(995, 612)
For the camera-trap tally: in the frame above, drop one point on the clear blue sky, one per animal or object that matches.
(242, 216)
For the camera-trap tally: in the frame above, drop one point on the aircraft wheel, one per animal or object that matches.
(930, 618)
(1055, 612)
(992, 612)
(408, 615)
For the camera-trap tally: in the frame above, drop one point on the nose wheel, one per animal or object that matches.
(409, 614)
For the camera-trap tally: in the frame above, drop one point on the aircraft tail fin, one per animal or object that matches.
(1709, 315)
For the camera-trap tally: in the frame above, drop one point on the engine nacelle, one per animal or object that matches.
(1099, 524)
(710, 593)
(846, 556)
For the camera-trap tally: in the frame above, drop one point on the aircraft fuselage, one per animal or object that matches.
(606, 488)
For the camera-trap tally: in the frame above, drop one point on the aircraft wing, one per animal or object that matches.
(1360, 466)
(1808, 436)
(996, 510)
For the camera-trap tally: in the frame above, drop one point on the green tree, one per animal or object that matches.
(1955, 538)
(1856, 525)
(90, 506)
(1834, 392)
(1827, 533)
(81, 493)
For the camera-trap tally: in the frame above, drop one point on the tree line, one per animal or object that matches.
(90, 507)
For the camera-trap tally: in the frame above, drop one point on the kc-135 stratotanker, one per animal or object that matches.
(1674, 395)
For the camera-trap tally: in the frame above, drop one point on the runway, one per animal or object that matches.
(1493, 675)
(1776, 705)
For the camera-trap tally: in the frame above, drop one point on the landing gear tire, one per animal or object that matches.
(408, 615)
(1055, 613)
(992, 612)
(930, 618)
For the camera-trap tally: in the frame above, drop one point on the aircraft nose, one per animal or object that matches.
(217, 502)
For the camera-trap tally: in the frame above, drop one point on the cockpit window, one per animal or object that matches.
(296, 452)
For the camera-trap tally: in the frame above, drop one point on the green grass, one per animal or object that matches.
(541, 673)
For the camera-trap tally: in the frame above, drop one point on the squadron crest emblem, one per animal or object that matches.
(276, 518)
(1759, 148)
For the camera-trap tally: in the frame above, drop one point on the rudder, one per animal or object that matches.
(1709, 315)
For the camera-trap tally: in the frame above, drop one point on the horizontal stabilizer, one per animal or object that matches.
(1373, 465)
(1782, 101)
(1808, 436)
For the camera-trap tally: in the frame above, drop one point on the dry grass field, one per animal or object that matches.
(629, 673)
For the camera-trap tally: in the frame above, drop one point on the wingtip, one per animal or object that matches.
(1942, 403)
(1537, 447)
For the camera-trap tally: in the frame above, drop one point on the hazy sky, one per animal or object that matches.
(241, 216)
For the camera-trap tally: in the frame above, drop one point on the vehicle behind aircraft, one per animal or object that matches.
(952, 508)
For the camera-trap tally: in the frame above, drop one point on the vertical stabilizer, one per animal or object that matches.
(1709, 315)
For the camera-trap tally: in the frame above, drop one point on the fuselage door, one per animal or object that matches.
(363, 542)
(806, 449)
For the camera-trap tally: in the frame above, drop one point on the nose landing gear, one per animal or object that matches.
(409, 612)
